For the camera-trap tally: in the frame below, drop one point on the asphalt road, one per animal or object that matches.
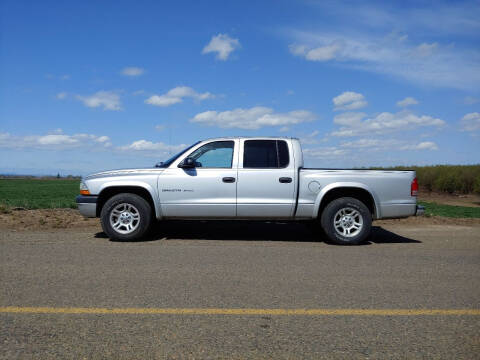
(226, 266)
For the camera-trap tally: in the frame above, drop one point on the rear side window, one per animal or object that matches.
(265, 154)
(283, 159)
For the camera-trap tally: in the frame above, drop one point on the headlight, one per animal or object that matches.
(84, 189)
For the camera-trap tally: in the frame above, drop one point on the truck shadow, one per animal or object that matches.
(254, 231)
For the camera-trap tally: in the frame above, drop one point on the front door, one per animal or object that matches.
(208, 190)
(266, 180)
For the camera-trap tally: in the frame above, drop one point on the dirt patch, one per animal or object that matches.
(470, 200)
(45, 219)
(69, 218)
(428, 220)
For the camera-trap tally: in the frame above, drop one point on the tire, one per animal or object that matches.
(126, 217)
(346, 221)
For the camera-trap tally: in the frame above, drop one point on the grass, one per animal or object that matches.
(434, 209)
(38, 194)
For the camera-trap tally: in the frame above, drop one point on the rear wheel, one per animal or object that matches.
(126, 217)
(346, 221)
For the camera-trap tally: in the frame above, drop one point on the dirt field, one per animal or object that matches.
(45, 219)
(470, 200)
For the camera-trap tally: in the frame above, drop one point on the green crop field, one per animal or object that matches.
(38, 194)
(434, 209)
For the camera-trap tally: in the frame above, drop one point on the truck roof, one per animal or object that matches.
(252, 137)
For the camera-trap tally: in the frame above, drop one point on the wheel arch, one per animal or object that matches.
(354, 190)
(142, 190)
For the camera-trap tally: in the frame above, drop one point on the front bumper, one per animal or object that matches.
(420, 210)
(87, 205)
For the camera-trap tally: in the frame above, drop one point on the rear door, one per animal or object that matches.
(266, 179)
(207, 191)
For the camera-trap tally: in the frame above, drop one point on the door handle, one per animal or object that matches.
(285, 180)
(228, 179)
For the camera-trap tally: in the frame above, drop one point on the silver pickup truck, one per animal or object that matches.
(259, 178)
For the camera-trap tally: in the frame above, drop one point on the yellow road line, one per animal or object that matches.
(219, 311)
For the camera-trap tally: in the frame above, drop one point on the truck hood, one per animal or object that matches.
(125, 172)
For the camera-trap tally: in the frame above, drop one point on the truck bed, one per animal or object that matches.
(390, 189)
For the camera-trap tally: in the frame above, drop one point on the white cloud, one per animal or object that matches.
(176, 95)
(310, 138)
(54, 141)
(358, 123)
(132, 71)
(369, 145)
(223, 45)
(428, 64)
(407, 102)
(325, 152)
(61, 95)
(298, 50)
(470, 100)
(252, 118)
(160, 127)
(109, 100)
(102, 139)
(425, 49)
(349, 118)
(141, 145)
(385, 122)
(322, 53)
(471, 122)
(448, 17)
(349, 100)
(426, 145)
(154, 148)
(162, 100)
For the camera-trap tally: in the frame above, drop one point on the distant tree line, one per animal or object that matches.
(460, 179)
(39, 177)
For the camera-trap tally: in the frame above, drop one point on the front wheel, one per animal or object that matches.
(346, 221)
(126, 217)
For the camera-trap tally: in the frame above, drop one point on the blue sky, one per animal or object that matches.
(91, 85)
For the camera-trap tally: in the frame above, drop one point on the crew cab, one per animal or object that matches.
(242, 178)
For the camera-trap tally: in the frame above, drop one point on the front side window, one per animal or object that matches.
(265, 154)
(167, 163)
(217, 154)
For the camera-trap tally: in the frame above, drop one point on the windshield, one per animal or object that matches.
(168, 162)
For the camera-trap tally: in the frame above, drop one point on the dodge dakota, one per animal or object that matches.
(261, 178)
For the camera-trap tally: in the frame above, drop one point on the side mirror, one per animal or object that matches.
(188, 163)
